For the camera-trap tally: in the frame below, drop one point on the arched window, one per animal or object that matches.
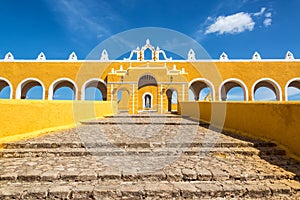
(201, 89)
(146, 80)
(292, 90)
(266, 90)
(233, 90)
(5, 89)
(94, 89)
(148, 54)
(30, 88)
(63, 89)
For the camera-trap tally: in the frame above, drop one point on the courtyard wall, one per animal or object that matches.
(271, 121)
(22, 119)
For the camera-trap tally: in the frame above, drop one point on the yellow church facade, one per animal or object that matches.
(140, 85)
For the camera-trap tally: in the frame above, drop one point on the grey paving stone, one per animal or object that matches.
(159, 158)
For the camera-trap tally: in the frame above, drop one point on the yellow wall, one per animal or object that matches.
(20, 117)
(216, 72)
(278, 122)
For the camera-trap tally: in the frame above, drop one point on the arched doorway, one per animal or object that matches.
(147, 100)
(123, 96)
(148, 93)
(172, 96)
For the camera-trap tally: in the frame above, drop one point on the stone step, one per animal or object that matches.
(25, 144)
(141, 116)
(149, 190)
(136, 123)
(164, 151)
(107, 174)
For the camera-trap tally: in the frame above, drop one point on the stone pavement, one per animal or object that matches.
(146, 156)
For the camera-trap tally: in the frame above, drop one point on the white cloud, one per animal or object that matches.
(267, 22)
(235, 23)
(268, 14)
(261, 12)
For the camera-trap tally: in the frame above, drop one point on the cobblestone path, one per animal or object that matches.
(146, 156)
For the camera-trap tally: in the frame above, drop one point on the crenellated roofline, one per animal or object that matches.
(155, 57)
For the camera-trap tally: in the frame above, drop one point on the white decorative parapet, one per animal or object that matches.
(9, 57)
(140, 56)
(224, 56)
(256, 56)
(191, 55)
(72, 56)
(104, 55)
(41, 57)
(289, 56)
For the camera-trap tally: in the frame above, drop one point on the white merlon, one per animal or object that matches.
(41, 57)
(224, 56)
(9, 57)
(73, 56)
(289, 56)
(104, 55)
(256, 56)
(191, 55)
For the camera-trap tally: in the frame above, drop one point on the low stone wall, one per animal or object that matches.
(28, 118)
(273, 121)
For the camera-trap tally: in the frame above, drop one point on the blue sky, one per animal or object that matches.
(237, 27)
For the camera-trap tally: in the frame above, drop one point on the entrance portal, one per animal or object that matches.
(147, 101)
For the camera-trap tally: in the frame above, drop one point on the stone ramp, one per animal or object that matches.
(103, 159)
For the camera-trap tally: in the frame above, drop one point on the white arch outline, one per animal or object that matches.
(239, 82)
(19, 88)
(208, 83)
(147, 93)
(10, 86)
(86, 83)
(272, 82)
(54, 83)
(287, 85)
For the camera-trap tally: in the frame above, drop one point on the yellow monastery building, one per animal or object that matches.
(148, 85)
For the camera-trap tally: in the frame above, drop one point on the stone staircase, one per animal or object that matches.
(146, 156)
